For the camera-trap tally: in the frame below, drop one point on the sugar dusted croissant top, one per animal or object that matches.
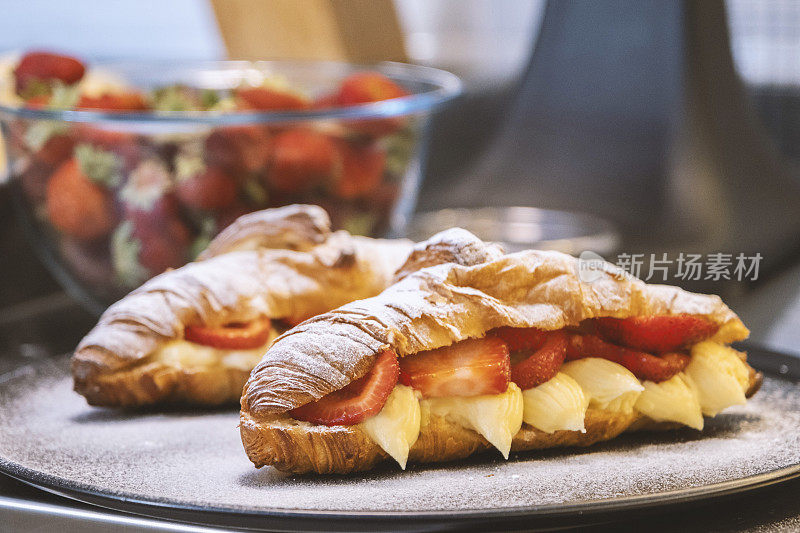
(512, 352)
(192, 335)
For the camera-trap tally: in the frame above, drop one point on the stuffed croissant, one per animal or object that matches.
(512, 352)
(193, 335)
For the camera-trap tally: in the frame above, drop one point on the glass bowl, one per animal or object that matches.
(170, 180)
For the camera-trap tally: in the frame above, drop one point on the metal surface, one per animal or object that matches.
(19, 515)
(164, 464)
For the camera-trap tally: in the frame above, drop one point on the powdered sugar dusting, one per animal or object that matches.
(197, 458)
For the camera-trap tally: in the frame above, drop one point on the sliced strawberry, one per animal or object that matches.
(361, 171)
(659, 334)
(152, 239)
(40, 101)
(361, 399)
(37, 71)
(76, 205)
(161, 236)
(326, 101)
(365, 87)
(122, 101)
(292, 321)
(159, 253)
(233, 336)
(239, 149)
(644, 366)
(267, 99)
(103, 138)
(302, 158)
(124, 144)
(164, 236)
(521, 338)
(468, 368)
(211, 189)
(543, 364)
(56, 149)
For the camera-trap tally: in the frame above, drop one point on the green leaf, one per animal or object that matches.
(224, 105)
(400, 149)
(100, 166)
(188, 165)
(175, 98)
(360, 224)
(64, 96)
(125, 256)
(208, 228)
(36, 87)
(209, 98)
(40, 131)
(255, 192)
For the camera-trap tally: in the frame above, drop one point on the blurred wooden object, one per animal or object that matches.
(361, 31)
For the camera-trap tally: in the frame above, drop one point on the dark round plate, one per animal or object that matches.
(190, 466)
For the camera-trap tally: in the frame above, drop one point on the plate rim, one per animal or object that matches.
(778, 365)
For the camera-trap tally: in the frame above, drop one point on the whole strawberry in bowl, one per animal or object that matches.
(125, 169)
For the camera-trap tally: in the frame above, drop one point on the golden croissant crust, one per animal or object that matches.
(115, 363)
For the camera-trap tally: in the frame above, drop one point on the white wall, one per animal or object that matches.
(98, 29)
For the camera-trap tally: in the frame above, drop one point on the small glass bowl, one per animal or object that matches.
(119, 247)
(522, 228)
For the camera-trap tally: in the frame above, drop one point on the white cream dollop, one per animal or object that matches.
(673, 400)
(497, 417)
(558, 404)
(609, 386)
(719, 376)
(396, 427)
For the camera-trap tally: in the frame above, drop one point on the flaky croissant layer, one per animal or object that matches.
(282, 264)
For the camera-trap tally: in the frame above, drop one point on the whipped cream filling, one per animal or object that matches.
(190, 355)
(496, 417)
(715, 379)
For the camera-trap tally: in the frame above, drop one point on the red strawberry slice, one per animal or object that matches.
(643, 365)
(76, 205)
(366, 87)
(122, 101)
(302, 158)
(56, 150)
(659, 334)
(362, 169)
(521, 338)
(233, 336)
(40, 101)
(326, 101)
(468, 368)
(266, 99)
(211, 189)
(158, 253)
(361, 399)
(238, 149)
(543, 364)
(43, 68)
